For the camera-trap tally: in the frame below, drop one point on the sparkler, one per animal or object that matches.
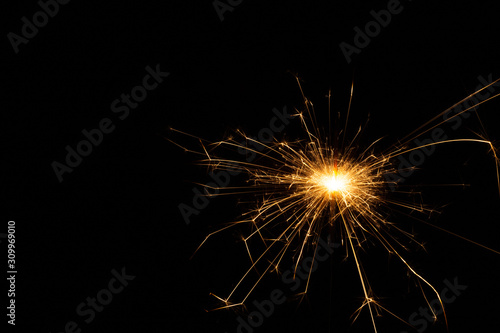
(320, 185)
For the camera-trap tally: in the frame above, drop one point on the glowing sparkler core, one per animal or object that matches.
(334, 182)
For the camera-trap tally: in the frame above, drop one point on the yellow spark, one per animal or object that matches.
(311, 187)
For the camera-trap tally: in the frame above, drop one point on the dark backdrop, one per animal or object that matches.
(118, 209)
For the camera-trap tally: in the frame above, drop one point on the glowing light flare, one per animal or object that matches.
(298, 181)
(334, 182)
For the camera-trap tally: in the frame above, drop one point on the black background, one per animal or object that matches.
(119, 208)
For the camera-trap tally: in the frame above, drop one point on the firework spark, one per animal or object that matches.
(319, 185)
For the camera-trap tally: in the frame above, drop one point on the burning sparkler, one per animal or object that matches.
(322, 184)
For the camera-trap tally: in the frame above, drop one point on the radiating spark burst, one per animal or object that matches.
(319, 185)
